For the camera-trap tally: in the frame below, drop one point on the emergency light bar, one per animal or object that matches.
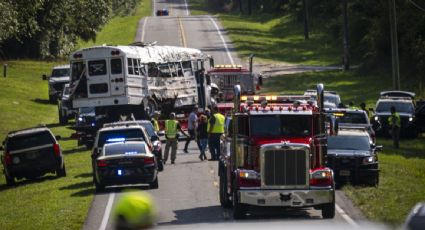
(115, 139)
(276, 99)
(228, 66)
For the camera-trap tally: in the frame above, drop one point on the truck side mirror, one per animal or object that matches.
(44, 77)
(379, 148)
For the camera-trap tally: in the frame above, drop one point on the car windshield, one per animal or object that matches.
(346, 142)
(281, 125)
(66, 90)
(120, 135)
(352, 118)
(149, 129)
(331, 99)
(124, 149)
(60, 72)
(30, 140)
(401, 107)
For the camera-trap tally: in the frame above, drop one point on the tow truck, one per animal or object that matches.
(273, 155)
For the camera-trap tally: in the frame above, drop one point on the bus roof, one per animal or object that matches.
(148, 54)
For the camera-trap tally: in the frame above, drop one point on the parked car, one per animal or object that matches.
(163, 12)
(57, 81)
(352, 118)
(403, 103)
(30, 153)
(353, 157)
(331, 98)
(65, 110)
(123, 163)
(153, 136)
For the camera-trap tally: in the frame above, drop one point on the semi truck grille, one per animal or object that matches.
(285, 167)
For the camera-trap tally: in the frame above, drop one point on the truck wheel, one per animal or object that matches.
(150, 107)
(10, 181)
(154, 184)
(61, 172)
(160, 166)
(224, 197)
(328, 210)
(239, 210)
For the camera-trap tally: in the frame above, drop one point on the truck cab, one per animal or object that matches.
(274, 153)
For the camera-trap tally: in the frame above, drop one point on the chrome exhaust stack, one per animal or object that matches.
(320, 96)
(236, 98)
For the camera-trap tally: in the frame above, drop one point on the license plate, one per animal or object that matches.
(344, 172)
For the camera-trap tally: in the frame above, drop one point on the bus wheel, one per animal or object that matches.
(150, 107)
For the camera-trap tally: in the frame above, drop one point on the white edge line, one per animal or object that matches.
(187, 8)
(143, 29)
(346, 216)
(107, 213)
(222, 39)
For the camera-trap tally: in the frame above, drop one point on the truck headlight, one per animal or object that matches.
(410, 119)
(249, 174)
(368, 160)
(376, 118)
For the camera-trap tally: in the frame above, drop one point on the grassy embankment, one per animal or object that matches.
(280, 39)
(50, 202)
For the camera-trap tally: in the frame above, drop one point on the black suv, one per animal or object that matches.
(31, 153)
(403, 103)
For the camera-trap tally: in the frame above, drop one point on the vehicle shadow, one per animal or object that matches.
(74, 150)
(23, 182)
(84, 175)
(42, 101)
(85, 188)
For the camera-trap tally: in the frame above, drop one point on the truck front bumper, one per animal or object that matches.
(286, 198)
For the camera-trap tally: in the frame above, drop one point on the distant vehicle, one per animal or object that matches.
(163, 12)
(403, 103)
(153, 136)
(57, 81)
(420, 115)
(123, 163)
(86, 126)
(353, 118)
(353, 157)
(331, 98)
(30, 153)
(65, 110)
(416, 218)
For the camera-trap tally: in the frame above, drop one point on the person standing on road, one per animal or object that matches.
(215, 130)
(154, 120)
(394, 122)
(202, 133)
(363, 107)
(192, 125)
(172, 126)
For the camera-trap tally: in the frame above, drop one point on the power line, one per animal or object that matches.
(416, 5)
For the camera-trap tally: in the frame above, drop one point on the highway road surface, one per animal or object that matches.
(188, 190)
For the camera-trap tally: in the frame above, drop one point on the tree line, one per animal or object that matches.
(51, 28)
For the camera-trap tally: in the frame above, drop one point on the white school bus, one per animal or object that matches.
(138, 79)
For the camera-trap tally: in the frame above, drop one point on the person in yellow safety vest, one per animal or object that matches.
(154, 120)
(172, 127)
(215, 130)
(394, 122)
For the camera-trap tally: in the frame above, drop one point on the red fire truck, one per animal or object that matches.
(273, 155)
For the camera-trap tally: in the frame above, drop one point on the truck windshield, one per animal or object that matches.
(349, 142)
(77, 70)
(281, 125)
(60, 72)
(401, 107)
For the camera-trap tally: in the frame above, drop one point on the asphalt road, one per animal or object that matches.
(188, 190)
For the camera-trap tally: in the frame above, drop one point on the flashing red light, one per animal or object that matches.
(149, 160)
(78, 55)
(7, 158)
(57, 149)
(289, 108)
(102, 163)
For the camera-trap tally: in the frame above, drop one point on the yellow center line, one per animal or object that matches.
(182, 34)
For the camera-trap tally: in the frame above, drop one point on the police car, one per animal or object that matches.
(123, 162)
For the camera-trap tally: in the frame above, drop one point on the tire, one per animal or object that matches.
(154, 184)
(61, 172)
(160, 166)
(99, 187)
(328, 210)
(239, 210)
(224, 197)
(151, 107)
(10, 181)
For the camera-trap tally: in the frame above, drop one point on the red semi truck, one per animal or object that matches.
(273, 155)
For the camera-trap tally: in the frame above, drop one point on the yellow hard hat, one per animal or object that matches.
(134, 210)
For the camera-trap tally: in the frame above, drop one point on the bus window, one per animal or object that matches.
(99, 88)
(77, 68)
(165, 70)
(130, 66)
(153, 70)
(116, 66)
(136, 63)
(187, 67)
(179, 69)
(97, 67)
(173, 69)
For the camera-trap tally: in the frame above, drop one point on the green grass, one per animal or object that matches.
(275, 38)
(403, 173)
(47, 202)
(120, 30)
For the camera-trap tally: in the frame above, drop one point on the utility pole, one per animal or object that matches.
(346, 58)
(394, 45)
(305, 3)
